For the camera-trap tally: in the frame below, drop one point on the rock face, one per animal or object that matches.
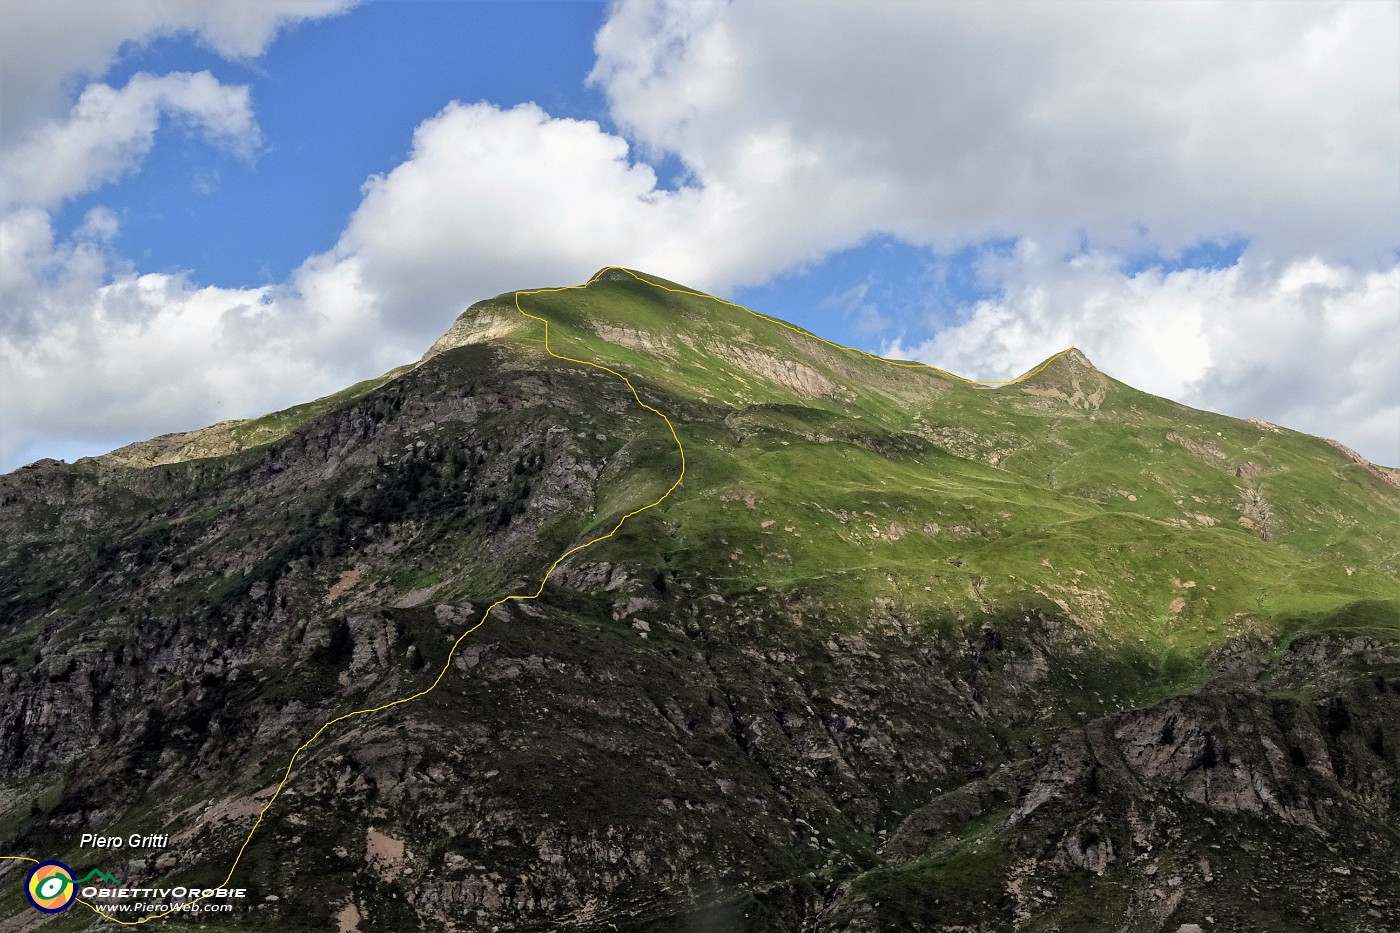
(481, 323)
(805, 381)
(1240, 806)
(858, 674)
(1388, 475)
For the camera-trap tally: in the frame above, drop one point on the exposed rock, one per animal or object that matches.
(482, 322)
(1388, 475)
(384, 853)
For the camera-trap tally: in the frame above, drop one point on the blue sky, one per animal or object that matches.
(337, 101)
(213, 213)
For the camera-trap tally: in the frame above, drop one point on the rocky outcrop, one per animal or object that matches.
(1245, 806)
(1231, 752)
(481, 323)
(1388, 475)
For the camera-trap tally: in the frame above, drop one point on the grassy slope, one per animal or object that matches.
(1070, 487)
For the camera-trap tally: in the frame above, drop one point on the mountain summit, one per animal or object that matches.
(691, 619)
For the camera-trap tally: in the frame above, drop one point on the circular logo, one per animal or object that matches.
(50, 887)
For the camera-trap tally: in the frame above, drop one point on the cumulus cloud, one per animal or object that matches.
(46, 44)
(110, 130)
(1140, 125)
(803, 130)
(45, 284)
(491, 199)
(144, 354)
(88, 347)
(1308, 344)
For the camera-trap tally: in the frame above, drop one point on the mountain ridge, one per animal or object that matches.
(900, 653)
(494, 318)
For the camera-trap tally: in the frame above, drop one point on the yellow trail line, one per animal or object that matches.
(451, 654)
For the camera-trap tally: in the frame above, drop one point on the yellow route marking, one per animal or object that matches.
(447, 664)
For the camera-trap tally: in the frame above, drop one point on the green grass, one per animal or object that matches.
(1145, 495)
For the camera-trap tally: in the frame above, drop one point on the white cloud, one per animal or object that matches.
(804, 129)
(110, 130)
(88, 347)
(490, 199)
(99, 223)
(44, 284)
(952, 122)
(46, 44)
(145, 354)
(1308, 344)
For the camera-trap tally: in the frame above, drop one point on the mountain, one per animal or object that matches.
(899, 652)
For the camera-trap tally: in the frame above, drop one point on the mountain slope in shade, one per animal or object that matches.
(902, 651)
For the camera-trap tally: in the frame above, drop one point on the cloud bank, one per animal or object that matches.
(1086, 133)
